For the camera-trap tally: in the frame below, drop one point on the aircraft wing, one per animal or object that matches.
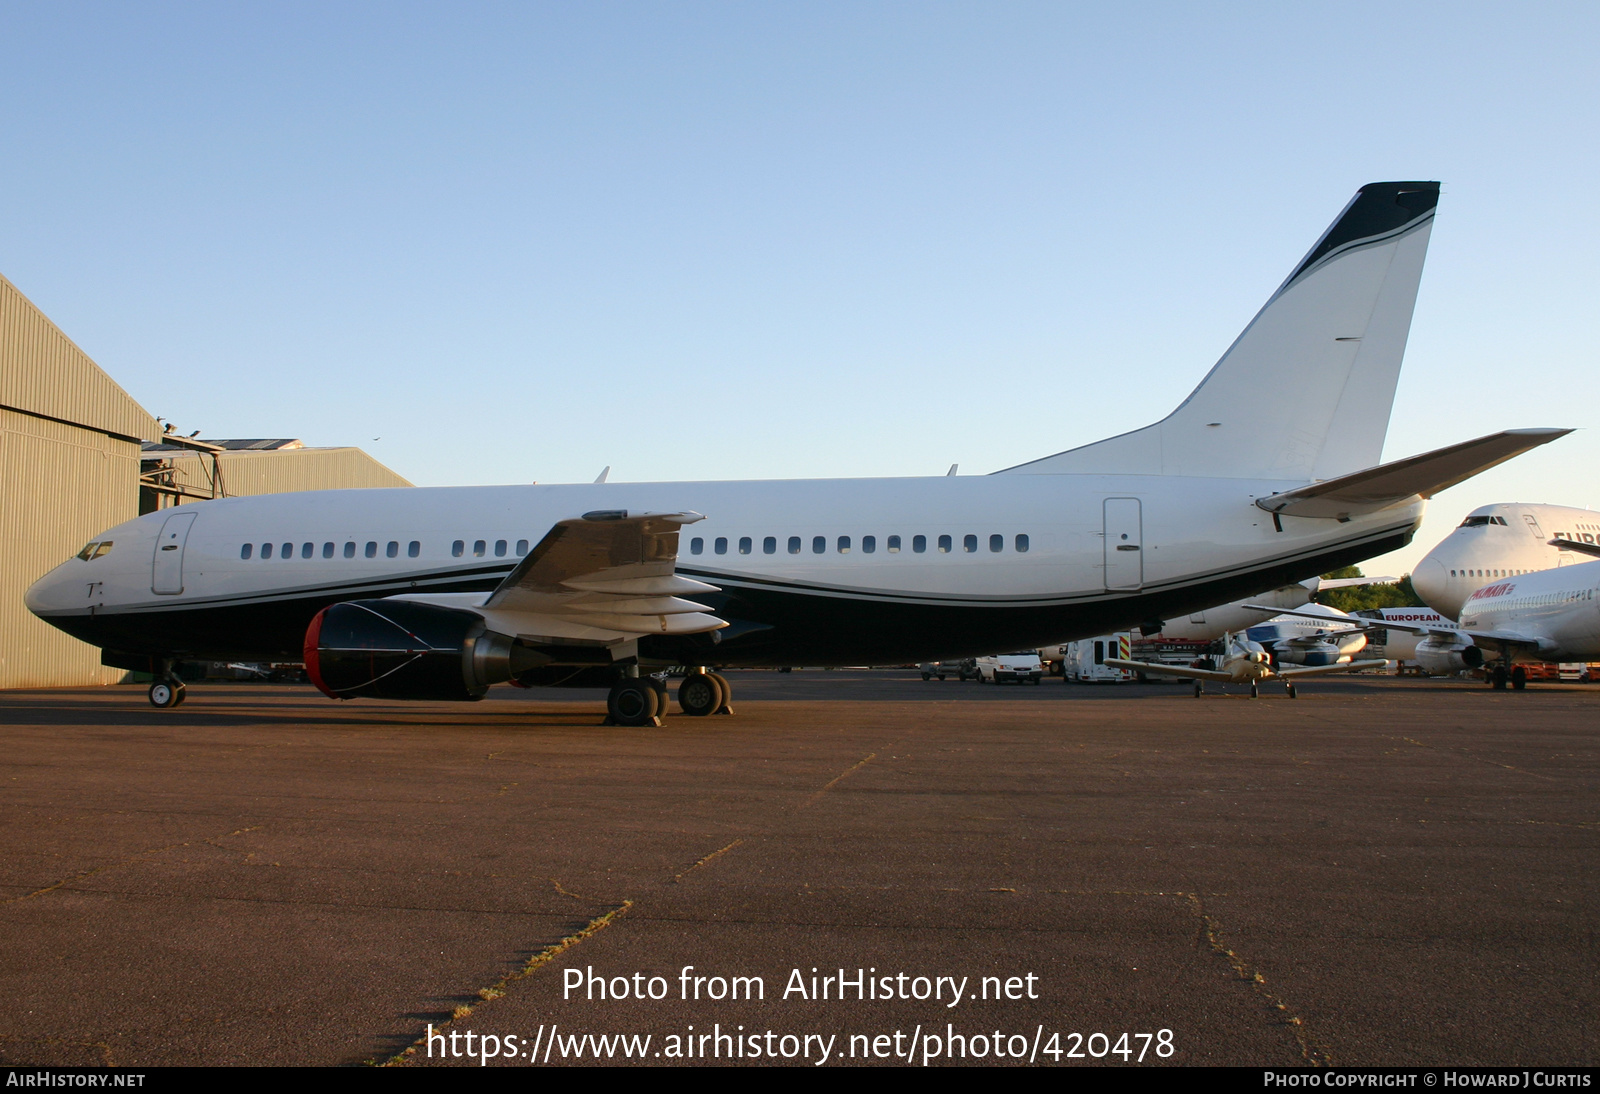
(1574, 545)
(1479, 638)
(1324, 670)
(1391, 484)
(612, 570)
(1172, 670)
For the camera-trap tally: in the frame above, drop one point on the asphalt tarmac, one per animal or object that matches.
(1380, 872)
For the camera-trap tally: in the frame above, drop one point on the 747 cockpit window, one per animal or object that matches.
(94, 550)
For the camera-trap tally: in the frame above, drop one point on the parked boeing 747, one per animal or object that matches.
(1266, 474)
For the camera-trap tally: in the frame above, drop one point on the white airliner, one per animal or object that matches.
(1212, 623)
(1547, 615)
(1497, 541)
(1317, 636)
(440, 593)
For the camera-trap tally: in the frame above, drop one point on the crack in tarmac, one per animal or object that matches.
(1315, 1054)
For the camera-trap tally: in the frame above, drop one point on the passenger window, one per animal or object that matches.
(969, 543)
(479, 548)
(306, 549)
(327, 550)
(522, 547)
(794, 545)
(819, 545)
(266, 550)
(869, 544)
(721, 545)
(997, 544)
(696, 545)
(844, 545)
(769, 546)
(287, 551)
(244, 552)
(350, 550)
(372, 549)
(499, 548)
(894, 545)
(392, 550)
(919, 544)
(413, 549)
(945, 543)
(744, 545)
(1022, 543)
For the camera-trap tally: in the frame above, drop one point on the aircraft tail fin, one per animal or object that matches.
(1305, 391)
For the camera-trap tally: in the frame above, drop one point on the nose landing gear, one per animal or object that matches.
(167, 692)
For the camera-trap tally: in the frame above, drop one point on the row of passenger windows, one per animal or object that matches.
(869, 545)
(480, 548)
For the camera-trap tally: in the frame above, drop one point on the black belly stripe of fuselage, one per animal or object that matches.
(771, 626)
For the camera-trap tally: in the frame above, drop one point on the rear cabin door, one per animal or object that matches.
(1124, 544)
(167, 570)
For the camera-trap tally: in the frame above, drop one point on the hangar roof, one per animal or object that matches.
(43, 373)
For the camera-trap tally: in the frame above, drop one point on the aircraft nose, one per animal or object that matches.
(48, 594)
(1432, 584)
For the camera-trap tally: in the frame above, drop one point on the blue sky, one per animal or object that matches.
(522, 242)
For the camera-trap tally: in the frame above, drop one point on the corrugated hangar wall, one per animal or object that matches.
(69, 468)
(70, 461)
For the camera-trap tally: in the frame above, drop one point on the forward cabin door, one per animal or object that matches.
(1124, 544)
(167, 572)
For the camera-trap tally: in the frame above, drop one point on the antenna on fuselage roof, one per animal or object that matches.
(950, 473)
(602, 476)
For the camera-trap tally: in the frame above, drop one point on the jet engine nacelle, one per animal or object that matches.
(1445, 656)
(1325, 653)
(397, 649)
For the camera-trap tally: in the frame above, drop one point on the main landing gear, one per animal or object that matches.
(642, 700)
(1516, 675)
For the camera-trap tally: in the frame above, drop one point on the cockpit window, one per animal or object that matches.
(1476, 522)
(95, 550)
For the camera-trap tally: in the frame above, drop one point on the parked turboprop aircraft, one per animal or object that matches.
(440, 593)
(1496, 541)
(1247, 662)
(1548, 615)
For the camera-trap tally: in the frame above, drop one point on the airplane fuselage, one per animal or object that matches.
(1560, 608)
(843, 571)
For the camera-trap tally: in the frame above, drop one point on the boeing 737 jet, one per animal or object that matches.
(1267, 474)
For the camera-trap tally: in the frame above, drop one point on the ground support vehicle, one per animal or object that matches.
(1005, 667)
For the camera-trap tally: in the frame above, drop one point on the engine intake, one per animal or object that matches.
(397, 649)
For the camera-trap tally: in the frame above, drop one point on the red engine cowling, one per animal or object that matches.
(398, 649)
(1443, 657)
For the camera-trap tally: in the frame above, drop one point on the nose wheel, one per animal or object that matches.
(167, 693)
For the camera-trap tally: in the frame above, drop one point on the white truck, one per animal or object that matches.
(1083, 661)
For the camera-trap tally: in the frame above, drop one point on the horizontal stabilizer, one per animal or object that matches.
(1392, 484)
